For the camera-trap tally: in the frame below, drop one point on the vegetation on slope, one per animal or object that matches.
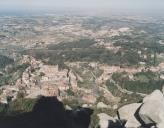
(5, 61)
(142, 82)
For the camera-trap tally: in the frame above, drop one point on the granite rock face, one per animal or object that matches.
(149, 113)
(127, 113)
(152, 110)
(104, 120)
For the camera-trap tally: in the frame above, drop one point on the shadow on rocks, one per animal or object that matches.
(116, 124)
(48, 112)
(143, 125)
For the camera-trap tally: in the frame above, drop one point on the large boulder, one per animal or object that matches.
(104, 120)
(154, 96)
(127, 113)
(160, 125)
(152, 110)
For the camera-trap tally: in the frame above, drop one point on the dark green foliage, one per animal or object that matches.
(21, 105)
(17, 106)
(9, 78)
(83, 50)
(19, 68)
(150, 75)
(144, 82)
(70, 92)
(143, 87)
(130, 98)
(5, 61)
(88, 54)
(83, 43)
(145, 42)
(20, 95)
(112, 88)
(130, 58)
(5, 80)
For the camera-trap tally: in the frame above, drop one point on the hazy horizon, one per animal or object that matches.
(148, 6)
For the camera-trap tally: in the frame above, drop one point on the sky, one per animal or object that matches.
(147, 5)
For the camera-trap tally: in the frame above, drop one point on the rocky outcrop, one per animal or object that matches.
(102, 105)
(127, 113)
(8, 93)
(152, 110)
(104, 120)
(154, 96)
(149, 113)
